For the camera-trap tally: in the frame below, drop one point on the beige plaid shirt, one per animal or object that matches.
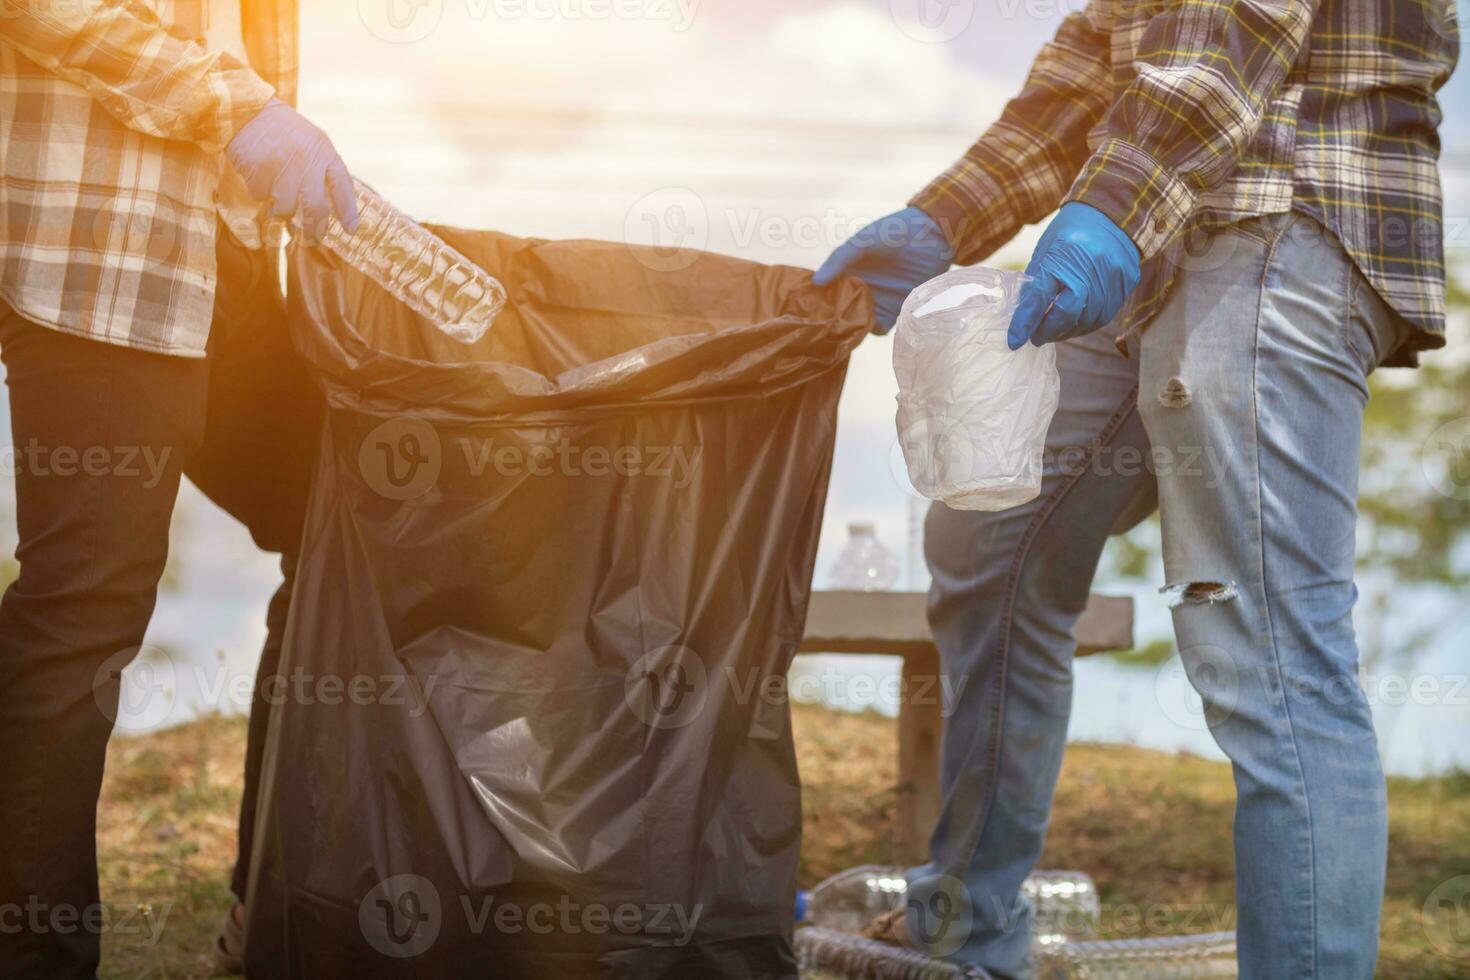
(1174, 115)
(113, 119)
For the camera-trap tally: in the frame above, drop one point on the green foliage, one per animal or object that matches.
(1413, 538)
(1151, 654)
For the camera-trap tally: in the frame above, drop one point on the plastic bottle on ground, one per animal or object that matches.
(1065, 903)
(1210, 955)
(826, 954)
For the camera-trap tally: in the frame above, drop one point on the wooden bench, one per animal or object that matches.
(894, 623)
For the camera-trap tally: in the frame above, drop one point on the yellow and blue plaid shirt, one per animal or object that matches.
(114, 115)
(1175, 115)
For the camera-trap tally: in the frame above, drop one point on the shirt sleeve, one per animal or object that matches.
(145, 77)
(1020, 168)
(1205, 72)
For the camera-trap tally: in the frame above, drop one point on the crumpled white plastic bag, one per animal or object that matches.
(972, 414)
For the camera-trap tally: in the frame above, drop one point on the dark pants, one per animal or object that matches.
(102, 435)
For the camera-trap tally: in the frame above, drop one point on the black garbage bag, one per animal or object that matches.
(531, 721)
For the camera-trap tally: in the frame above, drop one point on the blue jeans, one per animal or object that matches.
(1240, 417)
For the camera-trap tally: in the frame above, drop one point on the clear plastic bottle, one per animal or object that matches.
(865, 565)
(1065, 903)
(826, 954)
(849, 900)
(418, 267)
(1209, 955)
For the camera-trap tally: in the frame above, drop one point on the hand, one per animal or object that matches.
(1082, 271)
(285, 159)
(893, 255)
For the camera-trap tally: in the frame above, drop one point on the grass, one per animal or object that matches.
(1152, 828)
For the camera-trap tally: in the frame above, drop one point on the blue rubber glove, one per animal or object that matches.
(1082, 271)
(285, 159)
(893, 255)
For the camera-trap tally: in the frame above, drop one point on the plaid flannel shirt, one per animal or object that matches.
(1176, 115)
(113, 120)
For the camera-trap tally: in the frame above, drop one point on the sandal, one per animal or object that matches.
(228, 953)
(891, 927)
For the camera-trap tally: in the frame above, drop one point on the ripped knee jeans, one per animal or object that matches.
(1244, 402)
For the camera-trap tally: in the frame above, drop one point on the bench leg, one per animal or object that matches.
(920, 728)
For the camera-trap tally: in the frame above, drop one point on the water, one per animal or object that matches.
(1155, 707)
